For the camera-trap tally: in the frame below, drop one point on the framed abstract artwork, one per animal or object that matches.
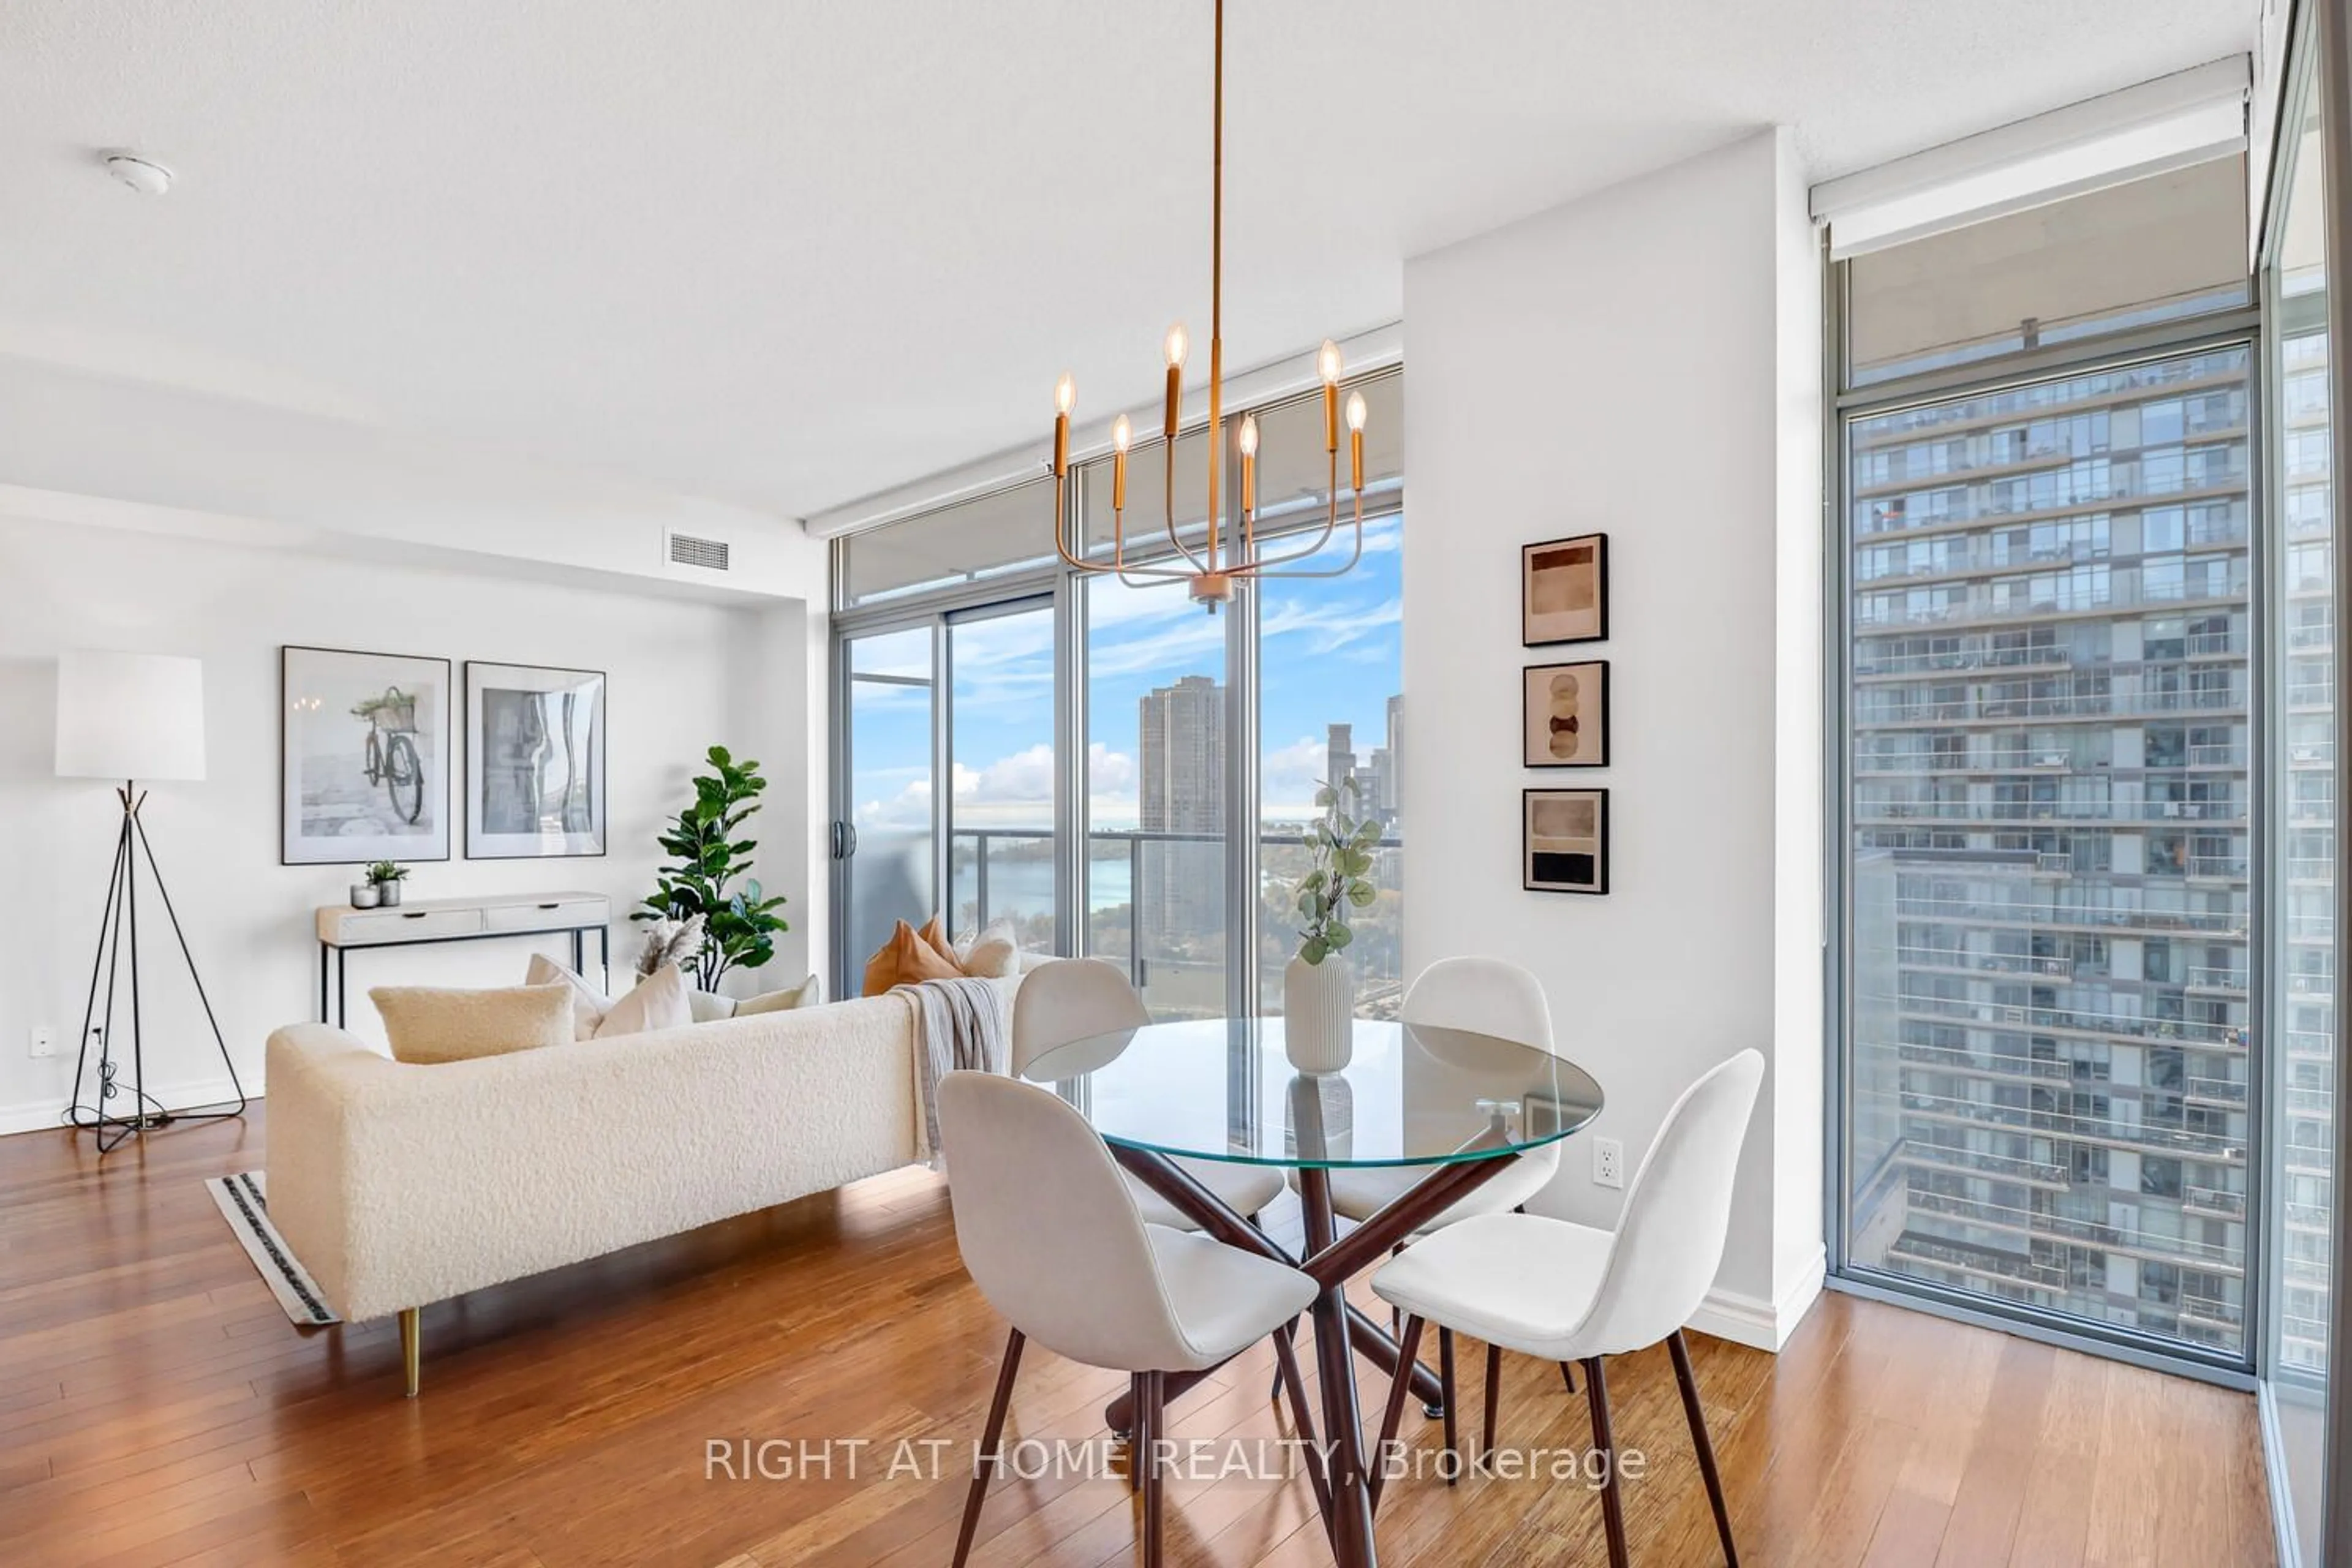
(364, 757)
(1567, 841)
(1564, 590)
(535, 762)
(1565, 721)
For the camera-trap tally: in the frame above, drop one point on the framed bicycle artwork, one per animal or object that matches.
(363, 756)
(535, 762)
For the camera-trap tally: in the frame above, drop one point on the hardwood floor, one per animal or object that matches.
(156, 1407)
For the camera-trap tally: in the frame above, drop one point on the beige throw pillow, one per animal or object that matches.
(595, 1015)
(807, 994)
(428, 1025)
(589, 1004)
(658, 1003)
(994, 954)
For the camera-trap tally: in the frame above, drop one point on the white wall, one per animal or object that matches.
(1645, 362)
(679, 672)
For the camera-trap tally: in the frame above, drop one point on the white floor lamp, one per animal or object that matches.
(126, 716)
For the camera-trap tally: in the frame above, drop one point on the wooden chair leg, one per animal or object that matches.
(991, 1437)
(1286, 1375)
(1613, 1507)
(1155, 1400)
(1400, 1390)
(1697, 1415)
(1494, 1399)
(1568, 1375)
(1396, 1313)
(1141, 1435)
(1453, 1403)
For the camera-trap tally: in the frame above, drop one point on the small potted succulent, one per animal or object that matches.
(383, 879)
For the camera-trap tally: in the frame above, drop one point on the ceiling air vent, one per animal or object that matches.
(686, 550)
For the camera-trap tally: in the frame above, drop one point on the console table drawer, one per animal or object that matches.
(364, 928)
(550, 914)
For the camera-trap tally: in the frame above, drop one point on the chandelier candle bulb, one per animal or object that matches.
(1122, 436)
(1248, 442)
(1065, 397)
(1357, 414)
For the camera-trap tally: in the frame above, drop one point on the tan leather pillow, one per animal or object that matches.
(428, 1025)
(905, 959)
(935, 932)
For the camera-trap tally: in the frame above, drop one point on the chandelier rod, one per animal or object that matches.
(1216, 281)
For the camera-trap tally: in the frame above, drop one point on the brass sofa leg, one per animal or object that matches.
(412, 1345)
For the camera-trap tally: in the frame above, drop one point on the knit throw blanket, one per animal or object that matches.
(960, 1025)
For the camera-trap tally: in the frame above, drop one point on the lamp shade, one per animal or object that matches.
(130, 716)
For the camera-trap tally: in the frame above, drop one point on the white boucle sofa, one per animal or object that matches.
(400, 1186)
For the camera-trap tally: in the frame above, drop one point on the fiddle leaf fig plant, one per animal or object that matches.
(739, 922)
(1338, 876)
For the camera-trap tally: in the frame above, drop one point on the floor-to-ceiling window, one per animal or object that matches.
(1113, 767)
(2049, 694)
(2301, 754)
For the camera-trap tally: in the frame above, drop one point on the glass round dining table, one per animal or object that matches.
(1454, 1107)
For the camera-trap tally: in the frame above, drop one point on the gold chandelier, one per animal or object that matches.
(1231, 554)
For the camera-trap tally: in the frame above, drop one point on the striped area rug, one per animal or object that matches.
(244, 1201)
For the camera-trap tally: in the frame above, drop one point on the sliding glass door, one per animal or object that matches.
(1119, 773)
(884, 842)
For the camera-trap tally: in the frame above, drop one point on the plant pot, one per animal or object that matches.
(364, 895)
(1319, 1014)
(387, 894)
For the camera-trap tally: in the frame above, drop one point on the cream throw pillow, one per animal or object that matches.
(807, 994)
(656, 1004)
(994, 954)
(428, 1025)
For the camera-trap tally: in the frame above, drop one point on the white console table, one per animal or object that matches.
(342, 928)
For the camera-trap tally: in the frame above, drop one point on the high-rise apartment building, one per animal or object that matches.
(2050, 821)
(1180, 734)
(1340, 755)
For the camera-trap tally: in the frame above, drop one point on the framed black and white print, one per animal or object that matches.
(535, 762)
(1567, 843)
(1566, 715)
(1564, 590)
(364, 757)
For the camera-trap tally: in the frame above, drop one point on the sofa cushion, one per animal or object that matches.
(589, 1004)
(427, 1024)
(905, 960)
(807, 994)
(595, 1015)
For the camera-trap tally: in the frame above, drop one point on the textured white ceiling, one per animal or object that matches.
(785, 254)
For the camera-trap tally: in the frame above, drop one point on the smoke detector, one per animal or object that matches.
(149, 179)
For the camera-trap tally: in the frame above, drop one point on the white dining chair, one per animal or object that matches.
(1490, 997)
(1073, 999)
(1055, 1241)
(1568, 1292)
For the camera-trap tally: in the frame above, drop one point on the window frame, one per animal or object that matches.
(2238, 327)
(1013, 588)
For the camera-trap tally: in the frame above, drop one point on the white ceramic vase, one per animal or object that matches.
(1319, 1014)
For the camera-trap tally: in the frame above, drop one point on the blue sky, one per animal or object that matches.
(1330, 653)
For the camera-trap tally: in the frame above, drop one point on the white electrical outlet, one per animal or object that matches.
(45, 1041)
(1608, 1162)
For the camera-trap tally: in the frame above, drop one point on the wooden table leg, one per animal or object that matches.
(1331, 1264)
(1343, 1428)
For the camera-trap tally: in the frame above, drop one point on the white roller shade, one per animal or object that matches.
(2190, 117)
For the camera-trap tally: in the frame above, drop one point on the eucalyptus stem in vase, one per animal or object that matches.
(1319, 985)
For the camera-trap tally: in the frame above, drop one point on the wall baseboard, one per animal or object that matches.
(1753, 1320)
(48, 1115)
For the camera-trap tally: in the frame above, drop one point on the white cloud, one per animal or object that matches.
(1016, 791)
